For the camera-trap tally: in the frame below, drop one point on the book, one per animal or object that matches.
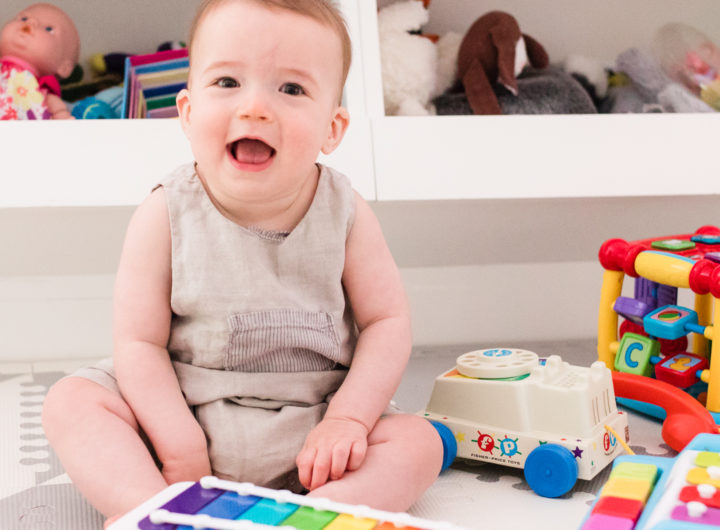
(152, 82)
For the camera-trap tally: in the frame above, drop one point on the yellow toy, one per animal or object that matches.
(654, 369)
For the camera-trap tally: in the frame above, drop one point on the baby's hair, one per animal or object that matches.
(323, 11)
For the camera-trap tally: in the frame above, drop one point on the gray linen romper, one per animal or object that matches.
(262, 333)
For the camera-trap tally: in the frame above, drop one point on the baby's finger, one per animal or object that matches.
(304, 463)
(320, 469)
(357, 455)
(340, 455)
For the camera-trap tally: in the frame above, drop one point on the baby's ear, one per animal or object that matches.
(336, 130)
(182, 100)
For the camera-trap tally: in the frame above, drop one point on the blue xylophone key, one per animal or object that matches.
(189, 501)
(269, 512)
(229, 505)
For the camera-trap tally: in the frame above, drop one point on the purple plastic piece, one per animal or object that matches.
(666, 295)
(188, 502)
(713, 256)
(711, 517)
(631, 309)
(646, 292)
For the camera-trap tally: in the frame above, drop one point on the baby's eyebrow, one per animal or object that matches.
(302, 75)
(219, 65)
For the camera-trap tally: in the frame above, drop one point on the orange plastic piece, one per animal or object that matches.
(619, 507)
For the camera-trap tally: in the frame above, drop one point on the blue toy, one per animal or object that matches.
(652, 492)
(106, 104)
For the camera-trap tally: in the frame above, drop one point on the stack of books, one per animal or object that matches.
(151, 83)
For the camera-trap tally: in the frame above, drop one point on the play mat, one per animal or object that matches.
(36, 494)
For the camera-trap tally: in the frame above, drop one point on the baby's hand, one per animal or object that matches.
(334, 446)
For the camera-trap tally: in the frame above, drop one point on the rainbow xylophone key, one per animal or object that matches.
(218, 504)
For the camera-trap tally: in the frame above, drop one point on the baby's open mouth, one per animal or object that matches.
(251, 151)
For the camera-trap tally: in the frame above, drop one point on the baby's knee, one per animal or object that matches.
(60, 401)
(72, 399)
(418, 437)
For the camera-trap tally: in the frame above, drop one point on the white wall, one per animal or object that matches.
(599, 29)
(483, 272)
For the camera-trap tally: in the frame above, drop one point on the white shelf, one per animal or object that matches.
(111, 163)
(480, 157)
(87, 163)
(118, 162)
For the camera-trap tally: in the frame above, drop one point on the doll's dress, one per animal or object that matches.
(23, 96)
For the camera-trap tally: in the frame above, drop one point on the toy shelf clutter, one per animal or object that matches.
(389, 158)
(656, 368)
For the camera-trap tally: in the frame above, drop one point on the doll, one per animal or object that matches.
(40, 43)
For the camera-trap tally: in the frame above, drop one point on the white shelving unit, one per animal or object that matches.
(117, 162)
(489, 157)
(110, 163)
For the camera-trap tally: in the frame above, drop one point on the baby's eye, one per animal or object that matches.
(23, 19)
(49, 29)
(227, 82)
(292, 89)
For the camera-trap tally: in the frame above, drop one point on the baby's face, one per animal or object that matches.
(263, 99)
(43, 36)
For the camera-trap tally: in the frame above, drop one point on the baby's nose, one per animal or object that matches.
(254, 106)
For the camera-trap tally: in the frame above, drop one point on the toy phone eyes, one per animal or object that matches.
(496, 363)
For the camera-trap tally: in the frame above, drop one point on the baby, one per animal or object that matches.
(260, 324)
(41, 42)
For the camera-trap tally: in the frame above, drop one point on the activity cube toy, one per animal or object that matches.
(508, 407)
(653, 341)
(652, 492)
(218, 504)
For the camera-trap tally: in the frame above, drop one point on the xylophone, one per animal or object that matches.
(218, 504)
(651, 492)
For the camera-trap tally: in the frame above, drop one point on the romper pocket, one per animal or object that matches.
(282, 340)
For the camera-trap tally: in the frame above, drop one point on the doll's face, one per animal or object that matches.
(44, 36)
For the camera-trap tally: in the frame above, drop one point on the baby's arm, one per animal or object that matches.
(377, 297)
(58, 108)
(141, 327)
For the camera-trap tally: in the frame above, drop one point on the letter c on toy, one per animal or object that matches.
(628, 355)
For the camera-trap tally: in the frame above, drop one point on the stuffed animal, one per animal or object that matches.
(495, 51)
(415, 68)
(106, 104)
(408, 61)
(36, 47)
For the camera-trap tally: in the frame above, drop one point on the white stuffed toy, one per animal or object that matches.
(414, 69)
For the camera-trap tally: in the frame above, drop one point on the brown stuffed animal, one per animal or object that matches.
(487, 56)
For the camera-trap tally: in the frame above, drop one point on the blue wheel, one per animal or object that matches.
(551, 470)
(449, 443)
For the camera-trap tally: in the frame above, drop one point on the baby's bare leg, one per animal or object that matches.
(403, 459)
(95, 435)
